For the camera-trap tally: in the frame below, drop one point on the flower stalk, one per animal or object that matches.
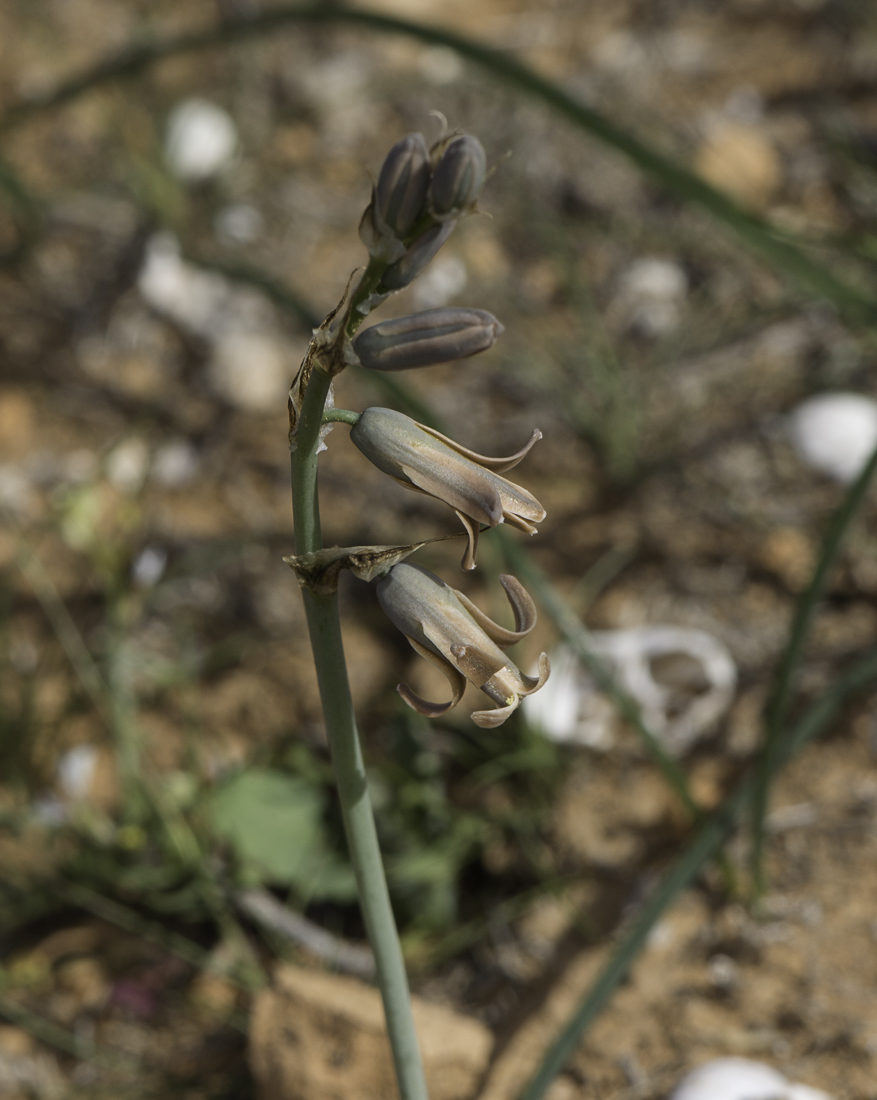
(324, 628)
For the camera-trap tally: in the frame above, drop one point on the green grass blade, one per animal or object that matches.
(778, 704)
(674, 177)
(706, 841)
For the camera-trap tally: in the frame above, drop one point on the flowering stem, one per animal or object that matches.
(324, 627)
(340, 416)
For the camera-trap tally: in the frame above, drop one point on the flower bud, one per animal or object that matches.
(434, 336)
(458, 177)
(406, 270)
(400, 194)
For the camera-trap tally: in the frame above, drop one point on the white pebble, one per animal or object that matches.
(250, 371)
(149, 566)
(651, 294)
(201, 140)
(193, 298)
(16, 491)
(741, 1079)
(835, 433)
(126, 465)
(239, 223)
(443, 280)
(75, 771)
(176, 463)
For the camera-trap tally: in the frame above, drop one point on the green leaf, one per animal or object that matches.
(273, 822)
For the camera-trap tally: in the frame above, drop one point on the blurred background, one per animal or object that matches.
(168, 831)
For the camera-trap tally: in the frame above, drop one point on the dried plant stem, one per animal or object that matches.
(324, 626)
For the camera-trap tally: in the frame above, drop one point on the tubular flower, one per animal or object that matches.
(425, 460)
(446, 628)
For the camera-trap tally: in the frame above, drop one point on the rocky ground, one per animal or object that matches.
(153, 640)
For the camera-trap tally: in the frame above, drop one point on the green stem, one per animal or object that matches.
(780, 700)
(340, 416)
(324, 626)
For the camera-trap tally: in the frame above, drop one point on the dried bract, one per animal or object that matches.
(446, 628)
(421, 458)
(434, 336)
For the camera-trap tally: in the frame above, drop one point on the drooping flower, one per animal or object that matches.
(423, 459)
(446, 628)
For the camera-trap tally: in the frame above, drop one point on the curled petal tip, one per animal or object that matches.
(490, 719)
(534, 683)
(422, 706)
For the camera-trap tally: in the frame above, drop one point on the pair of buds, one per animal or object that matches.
(417, 200)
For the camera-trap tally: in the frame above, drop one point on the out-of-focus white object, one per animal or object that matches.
(149, 566)
(250, 371)
(251, 365)
(126, 465)
(201, 139)
(569, 708)
(442, 281)
(76, 770)
(193, 298)
(835, 433)
(175, 463)
(741, 1079)
(239, 223)
(651, 293)
(566, 709)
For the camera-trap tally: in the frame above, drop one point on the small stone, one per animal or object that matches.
(240, 223)
(314, 1033)
(835, 433)
(175, 463)
(127, 464)
(741, 160)
(741, 1079)
(443, 281)
(651, 294)
(149, 566)
(201, 140)
(250, 371)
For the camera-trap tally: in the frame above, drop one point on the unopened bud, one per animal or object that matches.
(406, 270)
(459, 176)
(434, 336)
(401, 189)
